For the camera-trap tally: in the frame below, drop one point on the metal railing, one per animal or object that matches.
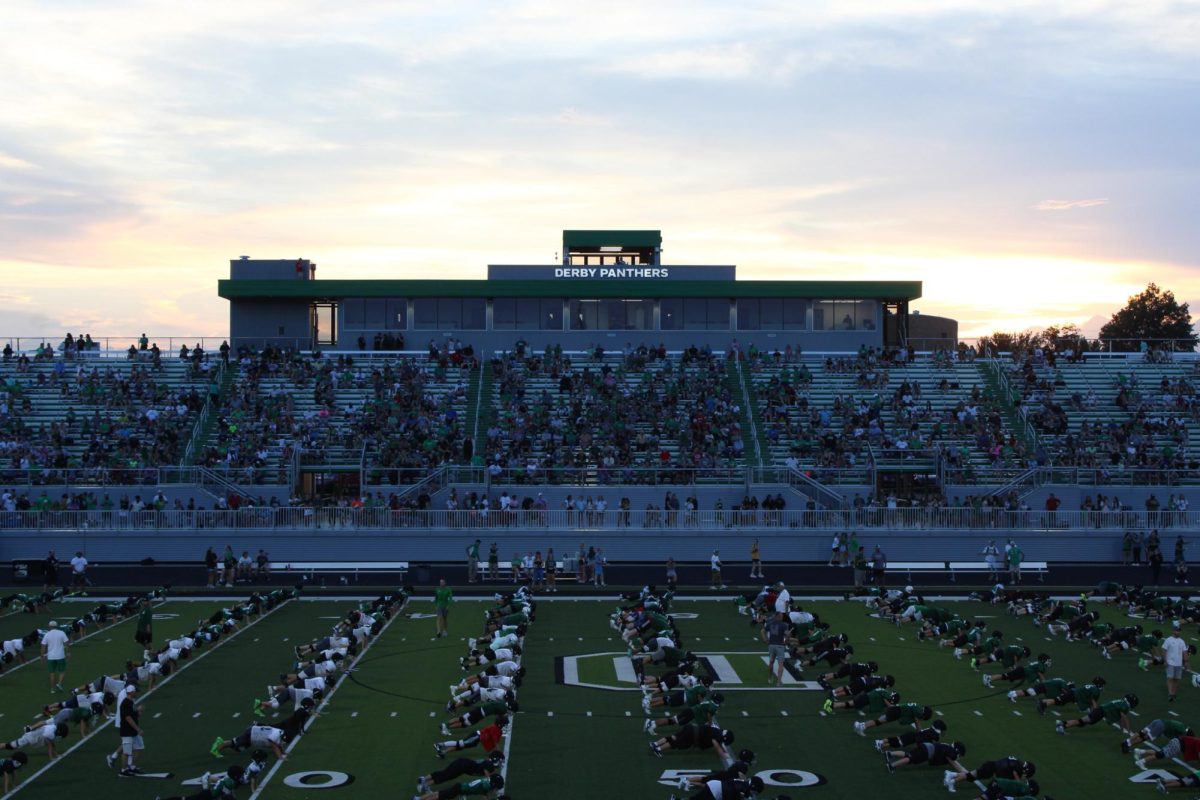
(613, 518)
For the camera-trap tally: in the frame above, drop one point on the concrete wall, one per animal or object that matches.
(255, 322)
(637, 545)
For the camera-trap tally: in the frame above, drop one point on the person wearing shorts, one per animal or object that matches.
(129, 716)
(774, 633)
(54, 650)
(1175, 657)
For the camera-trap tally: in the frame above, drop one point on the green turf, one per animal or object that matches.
(585, 743)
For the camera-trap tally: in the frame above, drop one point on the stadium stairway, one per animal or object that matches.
(739, 385)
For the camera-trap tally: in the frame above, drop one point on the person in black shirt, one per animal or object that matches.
(9, 767)
(702, 737)
(907, 739)
(933, 754)
(51, 569)
(1011, 768)
(459, 767)
(129, 716)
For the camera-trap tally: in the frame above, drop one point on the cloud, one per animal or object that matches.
(1067, 205)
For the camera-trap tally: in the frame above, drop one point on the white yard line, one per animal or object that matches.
(83, 638)
(262, 783)
(163, 682)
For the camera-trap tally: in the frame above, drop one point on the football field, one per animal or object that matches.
(579, 732)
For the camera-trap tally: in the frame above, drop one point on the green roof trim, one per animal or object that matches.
(576, 240)
(565, 287)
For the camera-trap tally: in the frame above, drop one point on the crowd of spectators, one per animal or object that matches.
(281, 400)
(640, 410)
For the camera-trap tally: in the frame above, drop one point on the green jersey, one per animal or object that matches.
(145, 620)
(938, 614)
(1033, 668)
(442, 597)
(877, 700)
(672, 656)
(1101, 629)
(658, 622)
(80, 714)
(976, 634)
(493, 708)
(1086, 695)
(911, 712)
(473, 552)
(990, 644)
(1113, 710)
(694, 694)
(515, 619)
(1069, 612)
(1148, 641)
(956, 626)
(1011, 654)
(1011, 788)
(1173, 729)
(1054, 687)
(477, 787)
(704, 710)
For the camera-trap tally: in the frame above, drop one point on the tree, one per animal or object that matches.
(1151, 317)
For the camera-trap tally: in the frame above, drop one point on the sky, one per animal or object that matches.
(1032, 163)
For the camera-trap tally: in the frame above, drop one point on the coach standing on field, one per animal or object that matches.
(1175, 654)
(54, 650)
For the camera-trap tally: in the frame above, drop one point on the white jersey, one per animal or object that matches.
(502, 682)
(186, 643)
(800, 617)
(170, 654)
(261, 735)
(322, 668)
(507, 668)
(503, 654)
(146, 670)
(506, 641)
(327, 655)
(688, 681)
(361, 634)
(490, 695)
(300, 695)
(14, 646)
(314, 683)
(110, 684)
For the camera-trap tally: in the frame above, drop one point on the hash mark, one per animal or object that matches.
(589, 713)
(196, 715)
(353, 714)
(782, 713)
(745, 713)
(979, 713)
(159, 714)
(549, 713)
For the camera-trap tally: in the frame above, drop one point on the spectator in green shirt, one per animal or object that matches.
(442, 598)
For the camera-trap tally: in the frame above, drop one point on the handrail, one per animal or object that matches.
(744, 384)
(383, 519)
(834, 500)
(478, 406)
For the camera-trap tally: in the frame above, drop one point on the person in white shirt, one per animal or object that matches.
(79, 566)
(1175, 655)
(54, 650)
(715, 567)
(783, 600)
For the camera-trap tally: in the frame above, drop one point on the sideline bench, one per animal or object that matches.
(310, 568)
(1039, 568)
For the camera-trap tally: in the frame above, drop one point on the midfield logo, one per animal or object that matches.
(791, 778)
(733, 670)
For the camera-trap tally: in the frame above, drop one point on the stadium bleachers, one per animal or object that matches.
(612, 416)
(1127, 420)
(91, 415)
